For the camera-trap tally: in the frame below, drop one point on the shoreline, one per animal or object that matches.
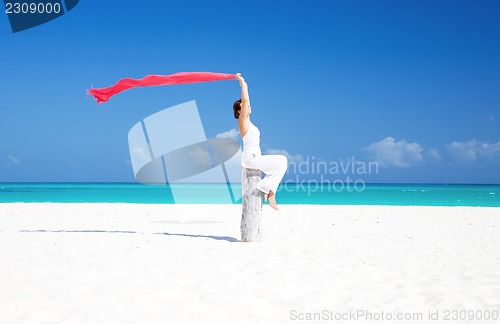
(239, 204)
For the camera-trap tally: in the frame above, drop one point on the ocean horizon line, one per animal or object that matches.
(224, 183)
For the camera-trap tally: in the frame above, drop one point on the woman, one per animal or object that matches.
(274, 166)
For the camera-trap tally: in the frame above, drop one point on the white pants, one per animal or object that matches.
(274, 166)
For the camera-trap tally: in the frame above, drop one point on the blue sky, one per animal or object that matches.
(412, 85)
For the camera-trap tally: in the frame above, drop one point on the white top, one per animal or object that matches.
(251, 144)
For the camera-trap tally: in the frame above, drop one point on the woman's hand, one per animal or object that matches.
(240, 78)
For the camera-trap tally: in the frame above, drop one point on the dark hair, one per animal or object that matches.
(237, 108)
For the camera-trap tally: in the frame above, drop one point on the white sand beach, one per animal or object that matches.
(132, 263)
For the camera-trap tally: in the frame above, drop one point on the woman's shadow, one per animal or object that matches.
(218, 238)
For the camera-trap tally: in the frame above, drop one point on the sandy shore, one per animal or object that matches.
(128, 263)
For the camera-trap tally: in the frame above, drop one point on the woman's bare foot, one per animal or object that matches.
(272, 200)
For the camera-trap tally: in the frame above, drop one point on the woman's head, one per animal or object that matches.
(237, 108)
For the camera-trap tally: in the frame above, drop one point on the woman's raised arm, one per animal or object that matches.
(245, 98)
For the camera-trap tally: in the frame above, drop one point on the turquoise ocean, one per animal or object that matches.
(369, 194)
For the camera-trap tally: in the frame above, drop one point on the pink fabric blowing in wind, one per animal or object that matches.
(103, 94)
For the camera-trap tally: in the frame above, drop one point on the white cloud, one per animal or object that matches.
(473, 150)
(232, 133)
(201, 155)
(13, 159)
(433, 155)
(291, 158)
(401, 154)
(139, 152)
